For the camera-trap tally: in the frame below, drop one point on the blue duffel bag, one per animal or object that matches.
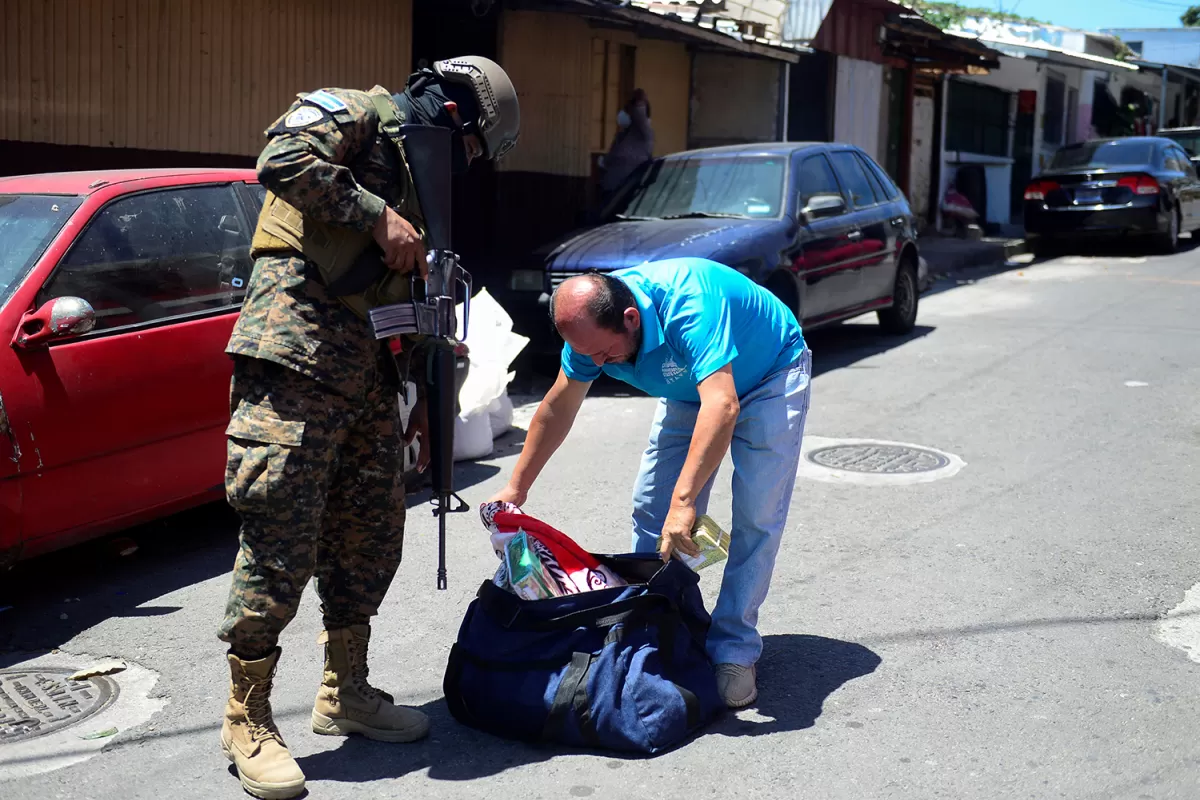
(622, 668)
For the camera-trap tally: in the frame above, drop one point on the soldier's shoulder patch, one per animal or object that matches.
(303, 116)
(325, 100)
(298, 118)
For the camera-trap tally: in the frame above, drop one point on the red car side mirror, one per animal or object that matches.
(62, 316)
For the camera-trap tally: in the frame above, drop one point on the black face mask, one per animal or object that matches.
(424, 102)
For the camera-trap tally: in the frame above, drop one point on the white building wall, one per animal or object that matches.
(859, 98)
(922, 156)
(1180, 46)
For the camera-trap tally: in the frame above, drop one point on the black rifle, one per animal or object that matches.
(432, 314)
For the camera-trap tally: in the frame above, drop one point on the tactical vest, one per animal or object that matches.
(350, 262)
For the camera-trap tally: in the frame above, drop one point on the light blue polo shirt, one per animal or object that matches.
(697, 316)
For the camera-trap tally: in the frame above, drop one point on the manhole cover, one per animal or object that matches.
(36, 702)
(879, 459)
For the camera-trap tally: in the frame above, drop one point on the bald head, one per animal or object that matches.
(597, 315)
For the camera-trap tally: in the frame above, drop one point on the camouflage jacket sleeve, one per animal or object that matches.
(307, 150)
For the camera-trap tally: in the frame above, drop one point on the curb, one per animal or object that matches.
(998, 253)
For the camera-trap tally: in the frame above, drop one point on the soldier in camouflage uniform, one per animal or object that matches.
(314, 442)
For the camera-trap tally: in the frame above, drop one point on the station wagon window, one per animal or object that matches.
(890, 190)
(816, 177)
(876, 185)
(157, 255)
(850, 170)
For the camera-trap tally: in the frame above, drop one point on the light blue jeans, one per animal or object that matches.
(766, 454)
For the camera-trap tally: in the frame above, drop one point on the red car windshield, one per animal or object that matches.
(28, 223)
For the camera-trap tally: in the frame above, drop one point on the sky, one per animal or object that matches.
(1095, 14)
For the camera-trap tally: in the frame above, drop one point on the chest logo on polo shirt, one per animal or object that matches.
(671, 370)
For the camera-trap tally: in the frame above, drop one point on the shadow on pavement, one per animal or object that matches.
(451, 753)
(49, 600)
(842, 346)
(1097, 248)
(1116, 247)
(55, 597)
(796, 675)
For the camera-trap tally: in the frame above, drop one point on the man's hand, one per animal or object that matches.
(418, 428)
(401, 244)
(510, 494)
(677, 532)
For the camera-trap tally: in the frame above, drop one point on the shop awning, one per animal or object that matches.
(910, 37)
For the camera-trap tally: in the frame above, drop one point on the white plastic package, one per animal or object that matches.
(485, 410)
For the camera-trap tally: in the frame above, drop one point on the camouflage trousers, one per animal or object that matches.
(317, 479)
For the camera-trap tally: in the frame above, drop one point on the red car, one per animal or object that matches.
(119, 290)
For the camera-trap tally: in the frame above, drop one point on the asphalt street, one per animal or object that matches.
(999, 630)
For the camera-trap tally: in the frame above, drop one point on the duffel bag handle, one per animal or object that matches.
(506, 609)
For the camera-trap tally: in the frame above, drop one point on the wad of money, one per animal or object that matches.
(712, 541)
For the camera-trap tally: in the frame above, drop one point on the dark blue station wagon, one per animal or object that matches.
(820, 224)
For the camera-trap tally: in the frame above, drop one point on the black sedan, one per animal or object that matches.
(821, 225)
(1137, 186)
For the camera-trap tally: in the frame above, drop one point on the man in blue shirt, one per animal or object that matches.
(730, 365)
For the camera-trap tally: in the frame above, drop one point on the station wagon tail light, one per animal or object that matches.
(1039, 189)
(1140, 184)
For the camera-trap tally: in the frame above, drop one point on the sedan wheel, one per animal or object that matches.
(901, 318)
(1169, 242)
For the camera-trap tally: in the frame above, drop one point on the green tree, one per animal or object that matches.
(1191, 17)
(946, 15)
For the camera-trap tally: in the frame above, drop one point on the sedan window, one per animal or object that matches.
(1178, 161)
(27, 225)
(1104, 154)
(156, 255)
(1188, 141)
(850, 170)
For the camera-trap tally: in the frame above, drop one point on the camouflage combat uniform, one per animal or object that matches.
(314, 442)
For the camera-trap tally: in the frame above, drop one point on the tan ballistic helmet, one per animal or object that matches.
(499, 122)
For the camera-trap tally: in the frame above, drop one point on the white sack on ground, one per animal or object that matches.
(472, 435)
(493, 347)
(501, 414)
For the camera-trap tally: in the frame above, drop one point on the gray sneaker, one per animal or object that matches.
(736, 685)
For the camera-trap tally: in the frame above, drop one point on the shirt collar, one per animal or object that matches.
(652, 333)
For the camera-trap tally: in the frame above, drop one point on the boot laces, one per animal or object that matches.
(359, 669)
(258, 713)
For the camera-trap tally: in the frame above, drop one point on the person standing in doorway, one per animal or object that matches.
(632, 146)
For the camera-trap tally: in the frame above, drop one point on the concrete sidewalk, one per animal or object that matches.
(946, 254)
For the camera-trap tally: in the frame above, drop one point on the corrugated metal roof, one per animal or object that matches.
(696, 22)
(1049, 52)
(803, 19)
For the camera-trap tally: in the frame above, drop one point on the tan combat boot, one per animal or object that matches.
(249, 736)
(347, 704)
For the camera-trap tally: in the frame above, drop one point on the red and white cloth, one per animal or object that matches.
(569, 568)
